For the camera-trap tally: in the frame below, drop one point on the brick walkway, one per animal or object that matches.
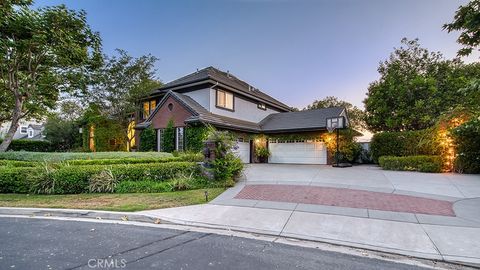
(346, 198)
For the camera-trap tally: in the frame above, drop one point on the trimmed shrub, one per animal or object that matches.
(404, 143)
(16, 163)
(431, 164)
(195, 137)
(68, 179)
(30, 145)
(467, 140)
(16, 180)
(168, 137)
(148, 140)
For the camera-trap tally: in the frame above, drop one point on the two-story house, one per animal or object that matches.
(210, 96)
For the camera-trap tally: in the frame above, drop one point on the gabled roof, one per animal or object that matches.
(227, 79)
(277, 122)
(302, 120)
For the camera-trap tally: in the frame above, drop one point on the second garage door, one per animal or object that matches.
(297, 152)
(243, 151)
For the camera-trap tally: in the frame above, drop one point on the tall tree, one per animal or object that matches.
(414, 88)
(466, 20)
(120, 83)
(355, 114)
(43, 52)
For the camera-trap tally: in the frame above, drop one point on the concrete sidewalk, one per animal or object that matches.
(450, 238)
(451, 243)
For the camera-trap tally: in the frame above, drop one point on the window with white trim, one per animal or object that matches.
(179, 139)
(23, 129)
(159, 139)
(224, 100)
(30, 133)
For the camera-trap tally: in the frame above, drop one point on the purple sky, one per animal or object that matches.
(297, 51)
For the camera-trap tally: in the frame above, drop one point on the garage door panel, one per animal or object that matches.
(300, 153)
(243, 151)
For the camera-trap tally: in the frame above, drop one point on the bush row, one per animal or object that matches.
(30, 145)
(17, 163)
(404, 143)
(467, 139)
(78, 179)
(431, 164)
(61, 156)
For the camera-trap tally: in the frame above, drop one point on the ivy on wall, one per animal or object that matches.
(168, 138)
(195, 137)
(108, 134)
(148, 140)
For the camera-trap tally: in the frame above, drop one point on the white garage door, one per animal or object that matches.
(243, 151)
(307, 152)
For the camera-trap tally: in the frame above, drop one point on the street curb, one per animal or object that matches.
(78, 213)
(142, 218)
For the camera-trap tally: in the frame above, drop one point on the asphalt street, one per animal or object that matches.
(27, 243)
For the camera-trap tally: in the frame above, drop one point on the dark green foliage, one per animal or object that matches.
(195, 137)
(16, 180)
(406, 143)
(467, 20)
(415, 87)
(168, 138)
(17, 163)
(30, 146)
(226, 165)
(63, 134)
(148, 140)
(109, 134)
(467, 139)
(432, 164)
(77, 179)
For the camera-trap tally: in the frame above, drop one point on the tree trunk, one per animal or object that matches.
(17, 115)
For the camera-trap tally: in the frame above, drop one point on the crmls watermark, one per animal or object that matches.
(107, 263)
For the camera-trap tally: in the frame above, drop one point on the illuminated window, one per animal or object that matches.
(146, 109)
(224, 100)
(131, 135)
(91, 138)
(262, 106)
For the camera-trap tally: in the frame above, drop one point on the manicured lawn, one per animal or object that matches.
(112, 202)
(42, 156)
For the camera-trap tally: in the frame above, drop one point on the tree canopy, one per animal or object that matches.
(415, 87)
(467, 21)
(43, 53)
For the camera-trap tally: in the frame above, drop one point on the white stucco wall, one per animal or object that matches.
(244, 110)
(201, 96)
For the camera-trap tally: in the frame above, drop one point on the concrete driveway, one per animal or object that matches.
(435, 216)
(366, 177)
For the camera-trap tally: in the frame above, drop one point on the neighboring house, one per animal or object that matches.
(211, 96)
(29, 130)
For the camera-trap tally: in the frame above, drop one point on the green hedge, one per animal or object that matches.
(17, 163)
(404, 143)
(431, 164)
(189, 157)
(467, 140)
(30, 145)
(75, 179)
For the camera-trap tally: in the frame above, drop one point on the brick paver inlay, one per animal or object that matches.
(347, 198)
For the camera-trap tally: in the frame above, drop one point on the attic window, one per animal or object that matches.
(262, 106)
(170, 106)
(224, 100)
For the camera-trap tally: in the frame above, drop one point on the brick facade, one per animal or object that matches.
(178, 114)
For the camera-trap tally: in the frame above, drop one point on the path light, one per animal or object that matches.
(206, 195)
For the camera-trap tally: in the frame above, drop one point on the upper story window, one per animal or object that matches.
(224, 100)
(30, 133)
(262, 106)
(23, 129)
(148, 107)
